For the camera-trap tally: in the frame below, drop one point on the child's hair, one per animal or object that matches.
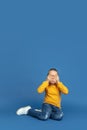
(51, 70)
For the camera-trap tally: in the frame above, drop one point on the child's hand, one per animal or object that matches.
(58, 79)
(52, 80)
(53, 77)
(48, 78)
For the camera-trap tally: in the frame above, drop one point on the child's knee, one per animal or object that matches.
(45, 117)
(59, 117)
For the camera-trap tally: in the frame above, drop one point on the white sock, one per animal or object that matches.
(38, 110)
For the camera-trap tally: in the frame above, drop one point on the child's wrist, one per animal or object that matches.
(59, 83)
(46, 82)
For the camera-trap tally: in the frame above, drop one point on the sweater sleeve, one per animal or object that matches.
(62, 88)
(42, 87)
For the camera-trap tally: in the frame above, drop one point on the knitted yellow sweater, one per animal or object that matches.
(53, 92)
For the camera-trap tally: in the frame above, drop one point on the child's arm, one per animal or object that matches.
(62, 88)
(42, 87)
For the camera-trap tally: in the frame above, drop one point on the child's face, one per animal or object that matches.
(52, 77)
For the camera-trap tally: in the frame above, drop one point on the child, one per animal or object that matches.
(51, 107)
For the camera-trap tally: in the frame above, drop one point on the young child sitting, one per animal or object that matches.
(51, 107)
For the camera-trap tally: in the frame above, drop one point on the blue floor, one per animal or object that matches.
(75, 117)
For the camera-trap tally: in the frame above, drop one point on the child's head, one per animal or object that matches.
(53, 76)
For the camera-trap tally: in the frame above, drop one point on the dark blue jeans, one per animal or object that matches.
(48, 111)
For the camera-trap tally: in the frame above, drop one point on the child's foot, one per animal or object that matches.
(23, 110)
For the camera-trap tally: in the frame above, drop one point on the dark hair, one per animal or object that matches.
(52, 69)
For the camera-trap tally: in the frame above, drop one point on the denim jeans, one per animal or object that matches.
(48, 111)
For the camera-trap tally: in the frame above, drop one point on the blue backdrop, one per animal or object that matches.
(35, 36)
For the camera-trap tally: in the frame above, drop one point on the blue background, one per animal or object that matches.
(35, 36)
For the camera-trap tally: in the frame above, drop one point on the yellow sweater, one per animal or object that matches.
(53, 92)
